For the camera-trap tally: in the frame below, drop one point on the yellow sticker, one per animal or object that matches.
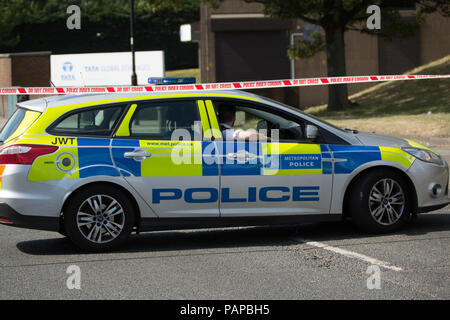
(172, 158)
(56, 166)
(420, 146)
(396, 155)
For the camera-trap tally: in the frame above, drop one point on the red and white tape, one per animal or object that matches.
(215, 86)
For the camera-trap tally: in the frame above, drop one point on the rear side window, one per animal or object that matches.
(99, 121)
(159, 120)
(19, 122)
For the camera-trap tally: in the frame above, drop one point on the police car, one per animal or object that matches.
(98, 167)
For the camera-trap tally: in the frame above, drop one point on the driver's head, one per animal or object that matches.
(227, 113)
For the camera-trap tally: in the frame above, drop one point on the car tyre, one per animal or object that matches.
(99, 218)
(380, 201)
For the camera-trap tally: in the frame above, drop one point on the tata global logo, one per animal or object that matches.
(67, 68)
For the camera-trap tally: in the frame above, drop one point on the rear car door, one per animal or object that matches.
(158, 149)
(284, 175)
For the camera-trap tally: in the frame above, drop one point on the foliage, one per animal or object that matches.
(306, 49)
(12, 14)
(40, 25)
(413, 97)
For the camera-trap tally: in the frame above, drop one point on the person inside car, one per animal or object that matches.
(227, 118)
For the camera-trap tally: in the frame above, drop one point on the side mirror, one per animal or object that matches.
(312, 132)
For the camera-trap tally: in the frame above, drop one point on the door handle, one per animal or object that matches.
(138, 154)
(242, 156)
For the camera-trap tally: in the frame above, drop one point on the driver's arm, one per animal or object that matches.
(250, 134)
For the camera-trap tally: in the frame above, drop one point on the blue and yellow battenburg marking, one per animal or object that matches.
(304, 159)
(167, 158)
(75, 158)
(348, 158)
(87, 157)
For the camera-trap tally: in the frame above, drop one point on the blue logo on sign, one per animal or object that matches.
(67, 66)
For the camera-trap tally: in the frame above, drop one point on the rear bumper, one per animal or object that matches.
(9, 216)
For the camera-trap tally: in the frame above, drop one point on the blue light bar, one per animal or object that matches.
(172, 80)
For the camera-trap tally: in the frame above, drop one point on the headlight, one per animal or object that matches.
(424, 155)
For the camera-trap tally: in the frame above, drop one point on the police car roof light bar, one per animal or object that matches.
(171, 80)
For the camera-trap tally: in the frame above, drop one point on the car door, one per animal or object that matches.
(284, 175)
(158, 149)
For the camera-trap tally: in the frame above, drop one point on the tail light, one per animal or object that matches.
(24, 153)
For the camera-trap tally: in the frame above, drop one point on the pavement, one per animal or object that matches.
(312, 261)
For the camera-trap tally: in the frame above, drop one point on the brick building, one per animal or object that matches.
(238, 42)
(30, 69)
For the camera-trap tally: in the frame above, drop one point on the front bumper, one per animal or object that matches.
(9, 216)
(424, 176)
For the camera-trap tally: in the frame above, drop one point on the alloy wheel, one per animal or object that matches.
(100, 219)
(386, 201)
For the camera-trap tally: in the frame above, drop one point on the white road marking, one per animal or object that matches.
(350, 254)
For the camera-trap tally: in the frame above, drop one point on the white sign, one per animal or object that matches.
(185, 33)
(103, 69)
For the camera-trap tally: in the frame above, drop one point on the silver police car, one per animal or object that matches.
(98, 167)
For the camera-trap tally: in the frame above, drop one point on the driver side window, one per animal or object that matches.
(249, 118)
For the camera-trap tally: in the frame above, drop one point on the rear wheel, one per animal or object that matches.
(99, 218)
(380, 201)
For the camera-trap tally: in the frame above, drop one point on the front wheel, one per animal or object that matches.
(380, 201)
(99, 218)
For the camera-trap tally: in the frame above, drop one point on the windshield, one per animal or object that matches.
(20, 121)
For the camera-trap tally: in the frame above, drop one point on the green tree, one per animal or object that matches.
(12, 14)
(40, 25)
(16, 12)
(336, 17)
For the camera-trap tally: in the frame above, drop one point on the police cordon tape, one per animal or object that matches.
(215, 86)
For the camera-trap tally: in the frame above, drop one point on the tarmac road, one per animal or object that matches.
(315, 261)
(238, 263)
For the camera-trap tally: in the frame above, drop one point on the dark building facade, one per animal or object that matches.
(238, 42)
